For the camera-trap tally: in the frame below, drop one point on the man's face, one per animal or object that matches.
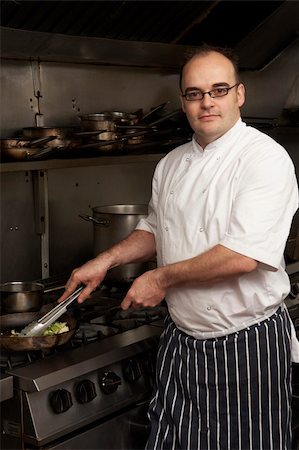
(211, 117)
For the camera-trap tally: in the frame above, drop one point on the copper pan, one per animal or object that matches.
(115, 144)
(23, 343)
(99, 135)
(123, 118)
(108, 120)
(97, 122)
(104, 146)
(23, 149)
(62, 137)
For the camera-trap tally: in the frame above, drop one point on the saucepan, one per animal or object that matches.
(108, 120)
(97, 122)
(18, 321)
(124, 118)
(21, 297)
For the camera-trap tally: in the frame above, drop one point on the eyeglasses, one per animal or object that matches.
(192, 96)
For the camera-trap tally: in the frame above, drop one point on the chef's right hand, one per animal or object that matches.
(90, 274)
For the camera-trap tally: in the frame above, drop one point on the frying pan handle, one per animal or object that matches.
(88, 218)
(166, 117)
(40, 154)
(39, 141)
(103, 143)
(89, 133)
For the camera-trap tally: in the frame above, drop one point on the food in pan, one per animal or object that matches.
(55, 328)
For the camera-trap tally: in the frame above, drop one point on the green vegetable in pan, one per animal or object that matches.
(55, 328)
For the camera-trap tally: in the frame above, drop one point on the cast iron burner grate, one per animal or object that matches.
(11, 360)
(88, 332)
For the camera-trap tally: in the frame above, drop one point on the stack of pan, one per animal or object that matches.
(111, 131)
(104, 132)
(114, 131)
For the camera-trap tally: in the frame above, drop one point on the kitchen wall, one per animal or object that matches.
(67, 90)
(270, 90)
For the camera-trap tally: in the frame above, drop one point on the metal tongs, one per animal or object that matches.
(37, 327)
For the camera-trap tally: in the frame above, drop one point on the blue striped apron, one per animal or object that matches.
(228, 393)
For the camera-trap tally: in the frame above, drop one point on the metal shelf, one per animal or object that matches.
(78, 162)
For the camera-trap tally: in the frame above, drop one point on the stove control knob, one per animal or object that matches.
(109, 382)
(85, 391)
(60, 401)
(131, 371)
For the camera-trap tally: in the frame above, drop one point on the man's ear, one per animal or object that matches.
(241, 94)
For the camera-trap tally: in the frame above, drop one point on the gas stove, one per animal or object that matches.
(101, 378)
(92, 392)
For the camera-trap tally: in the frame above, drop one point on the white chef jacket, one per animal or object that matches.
(240, 192)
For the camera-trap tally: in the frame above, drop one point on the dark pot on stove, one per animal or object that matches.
(111, 224)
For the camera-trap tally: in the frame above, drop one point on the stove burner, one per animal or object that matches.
(141, 316)
(86, 333)
(99, 317)
(8, 361)
(90, 332)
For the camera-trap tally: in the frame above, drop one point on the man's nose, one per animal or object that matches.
(206, 100)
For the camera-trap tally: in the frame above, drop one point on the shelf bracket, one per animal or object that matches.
(41, 216)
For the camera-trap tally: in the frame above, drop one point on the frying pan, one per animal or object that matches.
(18, 320)
(22, 149)
(59, 137)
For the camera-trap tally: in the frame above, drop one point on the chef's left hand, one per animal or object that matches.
(144, 292)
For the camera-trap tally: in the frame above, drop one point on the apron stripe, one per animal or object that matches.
(208, 393)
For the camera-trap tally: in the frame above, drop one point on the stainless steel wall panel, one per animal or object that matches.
(75, 191)
(68, 90)
(268, 90)
(18, 104)
(20, 245)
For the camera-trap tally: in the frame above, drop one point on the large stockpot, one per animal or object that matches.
(112, 223)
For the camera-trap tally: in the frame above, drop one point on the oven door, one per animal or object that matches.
(128, 430)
